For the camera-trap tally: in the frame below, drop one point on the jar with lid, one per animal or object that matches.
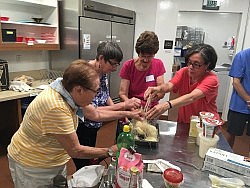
(135, 180)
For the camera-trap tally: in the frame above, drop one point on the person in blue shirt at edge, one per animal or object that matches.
(108, 58)
(239, 107)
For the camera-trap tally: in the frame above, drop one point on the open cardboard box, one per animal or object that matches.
(224, 172)
(227, 160)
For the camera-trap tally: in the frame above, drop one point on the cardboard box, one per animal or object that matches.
(226, 173)
(227, 160)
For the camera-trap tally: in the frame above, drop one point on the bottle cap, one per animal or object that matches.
(134, 170)
(126, 128)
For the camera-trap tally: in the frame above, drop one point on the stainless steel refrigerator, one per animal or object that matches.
(83, 25)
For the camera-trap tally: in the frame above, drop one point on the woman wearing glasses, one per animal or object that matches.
(144, 71)
(196, 85)
(46, 138)
(109, 55)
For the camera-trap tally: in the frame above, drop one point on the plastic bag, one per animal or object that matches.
(226, 182)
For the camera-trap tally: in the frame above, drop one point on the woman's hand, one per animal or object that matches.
(156, 111)
(152, 93)
(248, 104)
(131, 104)
(136, 114)
(114, 148)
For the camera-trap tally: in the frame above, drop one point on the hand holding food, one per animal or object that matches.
(156, 111)
(135, 114)
(133, 103)
(152, 92)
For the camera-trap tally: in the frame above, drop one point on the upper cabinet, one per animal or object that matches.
(29, 25)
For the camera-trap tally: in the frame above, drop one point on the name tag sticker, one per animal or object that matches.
(150, 78)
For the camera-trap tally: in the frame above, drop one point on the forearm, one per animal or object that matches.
(111, 115)
(186, 99)
(117, 106)
(241, 91)
(164, 88)
(123, 97)
(86, 152)
(108, 115)
(72, 146)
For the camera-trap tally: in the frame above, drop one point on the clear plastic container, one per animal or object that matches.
(111, 171)
(173, 178)
(206, 143)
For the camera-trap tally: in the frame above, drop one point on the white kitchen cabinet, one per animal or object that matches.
(20, 13)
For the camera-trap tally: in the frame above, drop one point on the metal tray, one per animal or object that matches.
(148, 144)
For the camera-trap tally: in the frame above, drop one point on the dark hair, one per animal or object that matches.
(79, 73)
(207, 53)
(147, 43)
(109, 50)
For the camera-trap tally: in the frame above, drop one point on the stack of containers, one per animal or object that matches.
(206, 125)
(208, 138)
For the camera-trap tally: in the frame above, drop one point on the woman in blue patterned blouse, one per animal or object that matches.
(109, 55)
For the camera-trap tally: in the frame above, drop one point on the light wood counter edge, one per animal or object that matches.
(12, 95)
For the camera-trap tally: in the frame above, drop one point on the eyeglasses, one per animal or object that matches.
(114, 64)
(148, 57)
(195, 64)
(94, 91)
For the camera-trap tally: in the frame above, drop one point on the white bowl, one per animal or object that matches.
(41, 41)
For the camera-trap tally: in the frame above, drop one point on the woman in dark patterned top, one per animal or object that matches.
(109, 55)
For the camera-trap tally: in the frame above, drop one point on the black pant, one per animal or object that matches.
(87, 137)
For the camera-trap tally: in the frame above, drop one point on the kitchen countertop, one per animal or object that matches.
(175, 144)
(11, 95)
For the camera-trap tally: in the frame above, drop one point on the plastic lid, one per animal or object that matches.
(173, 176)
(126, 128)
(134, 170)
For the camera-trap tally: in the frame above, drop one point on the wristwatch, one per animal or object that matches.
(110, 152)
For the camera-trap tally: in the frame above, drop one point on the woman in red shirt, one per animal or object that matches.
(143, 71)
(196, 85)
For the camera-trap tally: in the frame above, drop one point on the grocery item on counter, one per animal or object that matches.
(124, 140)
(26, 79)
(194, 120)
(172, 178)
(135, 180)
(129, 161)
(206, 143)
(210, 126)
(145, 131)
(111, 172)
(204, 115)
(199, 130)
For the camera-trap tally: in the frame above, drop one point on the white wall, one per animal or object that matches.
(215, 34)
(25, 60)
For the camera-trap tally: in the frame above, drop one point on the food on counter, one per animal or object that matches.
(172, 178)
(146, 131)
(26, 79)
